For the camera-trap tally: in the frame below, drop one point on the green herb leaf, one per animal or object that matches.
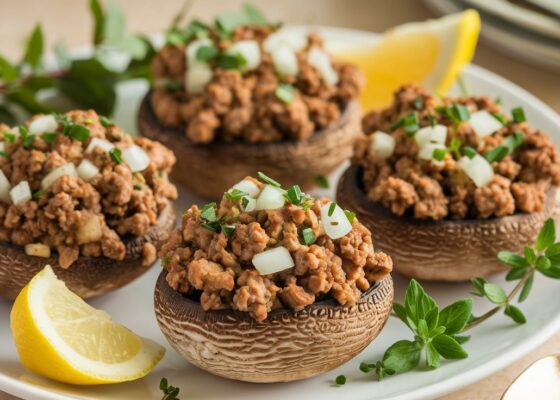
(207, 53)
(417, 302)
(285, 93)
(350, 215)
(433, 359)
(500, 118)
(49, 137)
(28, 141)
(530, 255)
(422, 329)
(163, 384)
(497, 154)
(455, 316)
(461, 112)
(448, 347)
(232, 61)
(432, 321)
(552, 272)
(340, 380)
(461, 339)
(235, 194)
(254, 16)
(8, 72)
(9, 137)
(402, 356)
(526, 288)
(308, 236)
(77, 132)
(495, 293)
(400, 311)
(552, 250)
(516, 273)
(208, 212)
(267, 179)
(294, 195)
(469, 152)
(227, 229)
(137, 187)
(322, 181)
(115, 154)
(106, 122)
(512, 259)
(518, 115)
(439, 154)
(38, 193)
(365, 367)
(332, 207)
(411, 124)
(478, 283)
(547, 235)
(98, 21)
(34, 47)
(515, 314)
(543, 263)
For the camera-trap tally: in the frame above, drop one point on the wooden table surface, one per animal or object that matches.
(68, 20)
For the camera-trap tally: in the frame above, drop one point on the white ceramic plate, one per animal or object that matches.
(493, 346)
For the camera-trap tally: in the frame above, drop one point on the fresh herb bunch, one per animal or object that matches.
(75, 82)
(437, 333)
(169, 392)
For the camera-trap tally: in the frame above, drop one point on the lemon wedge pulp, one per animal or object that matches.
(430, 53)
(60, 336)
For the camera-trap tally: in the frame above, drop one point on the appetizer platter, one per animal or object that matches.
(272, 281)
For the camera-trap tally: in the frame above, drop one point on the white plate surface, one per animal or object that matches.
(493, 346)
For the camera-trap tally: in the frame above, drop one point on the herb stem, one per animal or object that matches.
(478, 320)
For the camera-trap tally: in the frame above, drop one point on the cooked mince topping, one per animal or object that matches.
(255, 83)
(263, 248)
(78, 184)
(465, 157)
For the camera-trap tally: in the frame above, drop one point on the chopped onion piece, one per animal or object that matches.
(248, 186)
(285, 61)
(42, 124)
(192, 49)
(273, 260)
(20, 193)
(197, 77)
(66, 169)
(87, 170)
(431, 134)
(320, 60)
(136, 158)
(483, 123)
(251, 204)
(250, 51)
(294, 40)
(270, 198)
(477, 168)
(89, 230)
(38, 250)
(427, 151)
(101, 143)
(337, 225)
(382, 145)
(4, 187)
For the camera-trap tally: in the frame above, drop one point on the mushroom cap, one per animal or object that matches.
(287, 346)
(444, 250)
(87, 276)
(208, 170)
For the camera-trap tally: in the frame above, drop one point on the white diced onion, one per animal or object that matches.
(247, 186)
(197, 77)
(42, 124)
(21, 193)
(483, 123)
(337, 224)
(249, 50)
(382, 145)
(320, 60)
(477, 168)
(66, 169)
(270, 198)
(136, 158)
(273, 260)
(87, 170)
(431, 134)
(101, 143)
(285, 61)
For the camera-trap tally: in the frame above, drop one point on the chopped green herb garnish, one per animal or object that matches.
(236, 194)
(165, 260)
(461, 112)
(23, 131)
(418, 103)
(285, 93)
(518, 115)
(137, 186)
(207, 53)
(267, 179)
(49, 137)
(308, 236)
(439, 154)
(497, 154)
(332, 207)
(232, 61)
(208, 212)
(28, 141)
(115, 154)
(211, 227)
(228, 229)
(350, 215)
(244, 202)
(294, 195)
(77, 132)
(106, 122)
(500, 118)
(469, 152)
(322, 181)
(511, 143)
(411, 124)
(38, 193)
(4, 154)
(10, 137)
(340, 380)
(455, 147)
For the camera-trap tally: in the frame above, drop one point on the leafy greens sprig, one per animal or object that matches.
(88, 82)
(438, 333)
(169, 392)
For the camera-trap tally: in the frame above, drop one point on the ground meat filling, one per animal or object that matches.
(216, 266)
(79, 215)
(409, 184)
(244, 105)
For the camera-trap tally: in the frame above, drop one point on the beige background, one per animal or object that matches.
(68, 20)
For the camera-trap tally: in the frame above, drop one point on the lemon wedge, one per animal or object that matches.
(430, 53)
(60, 336)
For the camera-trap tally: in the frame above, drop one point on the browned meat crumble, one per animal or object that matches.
(438, 188)
(76, 215)
(244, 105)
(217, 267)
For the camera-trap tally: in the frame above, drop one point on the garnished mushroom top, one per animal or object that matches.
(77, 183)
(264, 248)
(243, 78)
(436, 158)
